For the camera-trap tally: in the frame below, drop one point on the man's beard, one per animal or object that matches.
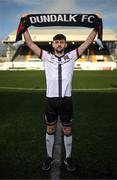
(59, 51)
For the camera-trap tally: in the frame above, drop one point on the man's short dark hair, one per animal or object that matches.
(59, 37)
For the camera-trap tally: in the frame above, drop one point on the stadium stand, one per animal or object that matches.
(43, 38)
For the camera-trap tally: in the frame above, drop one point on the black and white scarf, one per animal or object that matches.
(44, 20)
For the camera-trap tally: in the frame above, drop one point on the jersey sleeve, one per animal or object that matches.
(74, 54)
(43, 55)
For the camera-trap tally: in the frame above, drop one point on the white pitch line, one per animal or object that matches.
(55, 170)
(95, 89)
(26, 89)
(42, 89)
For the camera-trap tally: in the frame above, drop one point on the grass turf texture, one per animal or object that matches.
(22, 126)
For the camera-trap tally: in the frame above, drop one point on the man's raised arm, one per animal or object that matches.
(89, 40)
(87, 43)
(30, 43)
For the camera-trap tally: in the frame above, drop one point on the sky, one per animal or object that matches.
(11, 10)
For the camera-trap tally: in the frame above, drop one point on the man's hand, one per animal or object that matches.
(99, 15)
(24, 15)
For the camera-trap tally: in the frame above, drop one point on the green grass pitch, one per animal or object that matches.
(22, 125)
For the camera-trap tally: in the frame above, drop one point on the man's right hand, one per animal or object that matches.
(24, 15)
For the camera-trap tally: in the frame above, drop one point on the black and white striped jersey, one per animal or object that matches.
(59, 72)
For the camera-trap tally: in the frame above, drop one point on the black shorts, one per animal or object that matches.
(59, 107)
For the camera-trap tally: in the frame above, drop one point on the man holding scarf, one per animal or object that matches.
(59, 71)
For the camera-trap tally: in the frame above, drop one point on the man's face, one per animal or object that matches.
(59, 45)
